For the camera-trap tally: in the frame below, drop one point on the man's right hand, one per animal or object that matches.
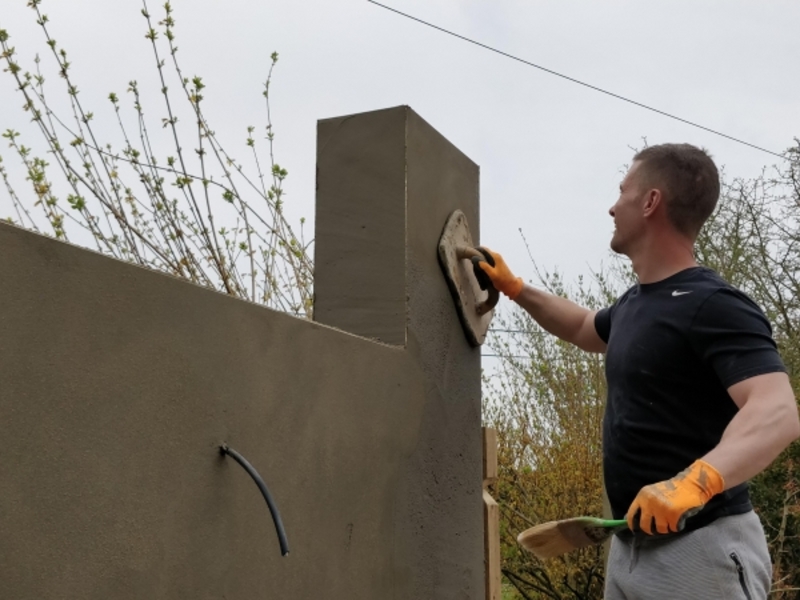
(502, 278)
(559, 316)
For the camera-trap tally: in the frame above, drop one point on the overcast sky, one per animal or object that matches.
(550, 152)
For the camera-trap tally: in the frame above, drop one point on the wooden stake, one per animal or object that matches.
(491, 517)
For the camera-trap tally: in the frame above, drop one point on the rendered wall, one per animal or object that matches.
(386, 183)
(118, 384)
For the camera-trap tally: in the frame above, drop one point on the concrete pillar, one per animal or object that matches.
(386, 183)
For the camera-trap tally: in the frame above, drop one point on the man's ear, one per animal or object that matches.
(652, 201)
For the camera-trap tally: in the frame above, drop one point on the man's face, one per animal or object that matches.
(628, 212)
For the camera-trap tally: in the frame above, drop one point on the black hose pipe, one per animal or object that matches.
(273, 509)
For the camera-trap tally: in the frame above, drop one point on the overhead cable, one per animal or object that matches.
(579, 82)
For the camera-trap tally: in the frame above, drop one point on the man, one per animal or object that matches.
(698, 398)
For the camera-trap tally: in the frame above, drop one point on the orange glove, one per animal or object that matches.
(666, 505)
(502, 278)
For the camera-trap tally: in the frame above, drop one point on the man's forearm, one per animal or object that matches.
(561, 317)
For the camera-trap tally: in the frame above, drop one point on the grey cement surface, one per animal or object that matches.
(118, 384)
(440, 179)
(362, 199)
(360, 241)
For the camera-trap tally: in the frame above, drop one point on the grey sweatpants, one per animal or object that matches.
(727, 559)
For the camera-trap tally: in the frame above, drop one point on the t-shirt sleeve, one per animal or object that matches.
(733, 336)
(602, 322)
(604, 317)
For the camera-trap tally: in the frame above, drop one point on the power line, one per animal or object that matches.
(578, 81)
(493, 330)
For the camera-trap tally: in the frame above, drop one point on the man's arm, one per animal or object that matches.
(559, 316)
(767, 422)
(562, 317)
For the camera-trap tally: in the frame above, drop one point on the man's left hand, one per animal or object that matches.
(666, 505)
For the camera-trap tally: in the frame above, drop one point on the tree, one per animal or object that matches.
(197, 214)
(546, 402)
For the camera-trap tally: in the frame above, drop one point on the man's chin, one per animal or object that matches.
(618, 248)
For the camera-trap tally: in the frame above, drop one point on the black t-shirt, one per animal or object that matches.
(674, 347)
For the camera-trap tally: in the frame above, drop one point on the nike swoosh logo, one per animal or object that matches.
(677, 293)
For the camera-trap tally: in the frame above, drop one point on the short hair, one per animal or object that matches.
(689, 181)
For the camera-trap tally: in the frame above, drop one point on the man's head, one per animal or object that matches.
(675, 183)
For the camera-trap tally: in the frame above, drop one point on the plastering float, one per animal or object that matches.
(473, 293)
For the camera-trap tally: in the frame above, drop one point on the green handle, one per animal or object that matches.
(614, 523)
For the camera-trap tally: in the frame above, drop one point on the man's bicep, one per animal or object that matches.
(589, 339)
(773, 386)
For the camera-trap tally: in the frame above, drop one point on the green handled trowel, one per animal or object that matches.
(558, 537)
